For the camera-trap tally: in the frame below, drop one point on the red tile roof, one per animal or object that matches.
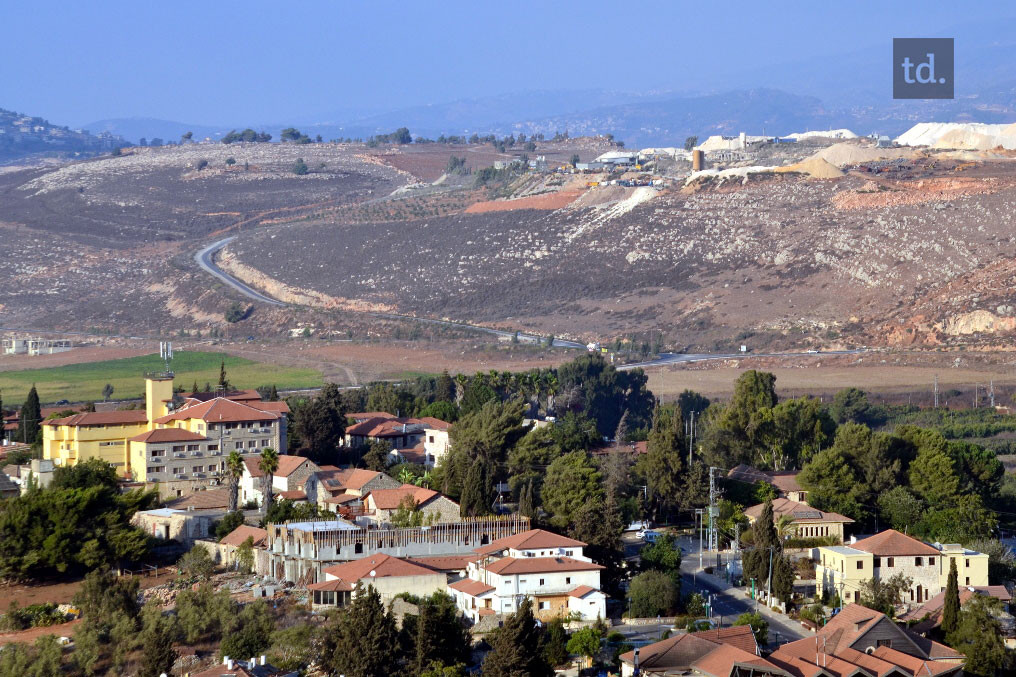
(721, 661)
(933, 607)
(332, 586)
(103, 418)
(160, 435)
(349, 478)
(581, 591)
(237, 536)
(534, 565)
(342, 498)
(382, 565)
(534, 539)
(388, 426)
(220, 410)
(365, 415)
(673, 653)
(471, 587)
(446, 563)
(740, 636)
(202, 500)
(391, 499)
(891, 543)
(802, 514)
(287, 465)
(913, 664)
(293, 495)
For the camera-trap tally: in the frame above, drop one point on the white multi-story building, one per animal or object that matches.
(545, 567)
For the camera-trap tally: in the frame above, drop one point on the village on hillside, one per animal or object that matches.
(466, 519)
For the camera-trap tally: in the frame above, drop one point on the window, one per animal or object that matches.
(878, 562)
(860, 564)
(918, 561)
(178, 447)
(968, 581)
(253, 444)
(239, 446)
(158, 452)
(266, 443)
(542, 581)
(884, 642)
(152, 469)
(198, 468)
(890, 562)
(931, 561)
(193, 447)
(213, 447)
(966, 563)
(544, 606)
(430, 439)
(567, 580)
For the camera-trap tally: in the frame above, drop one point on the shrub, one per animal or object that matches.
(300, 167)
(202, 164)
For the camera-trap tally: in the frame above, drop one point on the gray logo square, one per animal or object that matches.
(923, 68)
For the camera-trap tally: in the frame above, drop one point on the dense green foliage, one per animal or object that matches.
(80, 522)
(517, 647)
(652, 593)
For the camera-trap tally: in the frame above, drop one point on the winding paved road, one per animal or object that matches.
(206, 259)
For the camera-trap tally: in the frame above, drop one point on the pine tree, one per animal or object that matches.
(517, 647)
(29, 420)
(951, 608)
(157, 652)
(195, 388)
(440, 635)
(363, 640)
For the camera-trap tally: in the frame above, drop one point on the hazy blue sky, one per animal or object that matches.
(217, 62)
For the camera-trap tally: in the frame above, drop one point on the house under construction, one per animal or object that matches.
(297, 551)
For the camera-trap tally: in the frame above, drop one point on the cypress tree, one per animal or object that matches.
(951, 608)
(477, 492)
(517, 647)
(527, 506)
(223, 381)
(444, 391)
(195, 389)
(30, 418)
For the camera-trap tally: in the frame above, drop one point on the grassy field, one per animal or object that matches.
(83, 382)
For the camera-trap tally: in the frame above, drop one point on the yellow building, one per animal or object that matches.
(105, 434)
(843, 569)
(163, 443)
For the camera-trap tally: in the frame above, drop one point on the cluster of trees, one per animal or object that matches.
(400, 136)
(246, 136)
(910, 477)
(294, 135)
(80, 522)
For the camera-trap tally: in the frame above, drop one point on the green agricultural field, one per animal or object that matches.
(83, 382)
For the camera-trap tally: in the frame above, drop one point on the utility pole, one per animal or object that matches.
(691, 437)
(712, 503)
(698, 514)
(737, 537)
(936, 391)
(991, 392)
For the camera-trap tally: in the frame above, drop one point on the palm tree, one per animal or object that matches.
(423, 480)
(461, 380)
(406, 475)
(234, 471)
(785, 525)
(267, 464)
